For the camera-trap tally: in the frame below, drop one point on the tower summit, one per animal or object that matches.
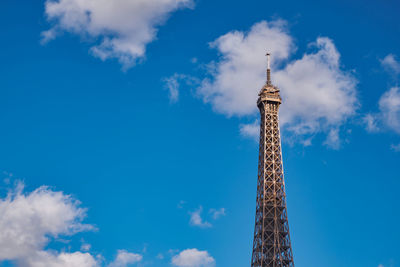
(271, 245)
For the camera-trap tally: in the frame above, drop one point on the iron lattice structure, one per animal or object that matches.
(271, 245)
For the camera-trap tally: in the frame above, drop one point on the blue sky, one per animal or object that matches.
(144, 112)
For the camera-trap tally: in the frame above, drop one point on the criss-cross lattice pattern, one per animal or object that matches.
(271, 247)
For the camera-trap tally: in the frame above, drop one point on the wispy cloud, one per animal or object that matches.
(251, 130)
(395, 148)
(173, 84)
(197, 220)
(333, 140)
(371, 123)
(391, 64)
(181, 204)
(86, 247)
(216, 214)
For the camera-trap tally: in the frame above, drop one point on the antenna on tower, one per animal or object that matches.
(268, 69)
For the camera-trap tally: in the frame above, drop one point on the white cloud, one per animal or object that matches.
(216, 214)
(388, 116)
(391, 64)
(239, 75)
(251, 130)
(29, 220)
(197, 220)
(193, 258)
(125, 258)
(120, 28)
(44, 259)
(318, 95)
(389, 105)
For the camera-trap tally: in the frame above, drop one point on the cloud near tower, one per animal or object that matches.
(318, 94)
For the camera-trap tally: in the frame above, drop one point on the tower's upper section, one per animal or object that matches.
(269, 92)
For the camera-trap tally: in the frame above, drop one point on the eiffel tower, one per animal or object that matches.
(271, 245)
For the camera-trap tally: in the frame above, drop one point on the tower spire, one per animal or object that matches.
(268, 69)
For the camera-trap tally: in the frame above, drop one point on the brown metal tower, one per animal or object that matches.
(271, 245)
